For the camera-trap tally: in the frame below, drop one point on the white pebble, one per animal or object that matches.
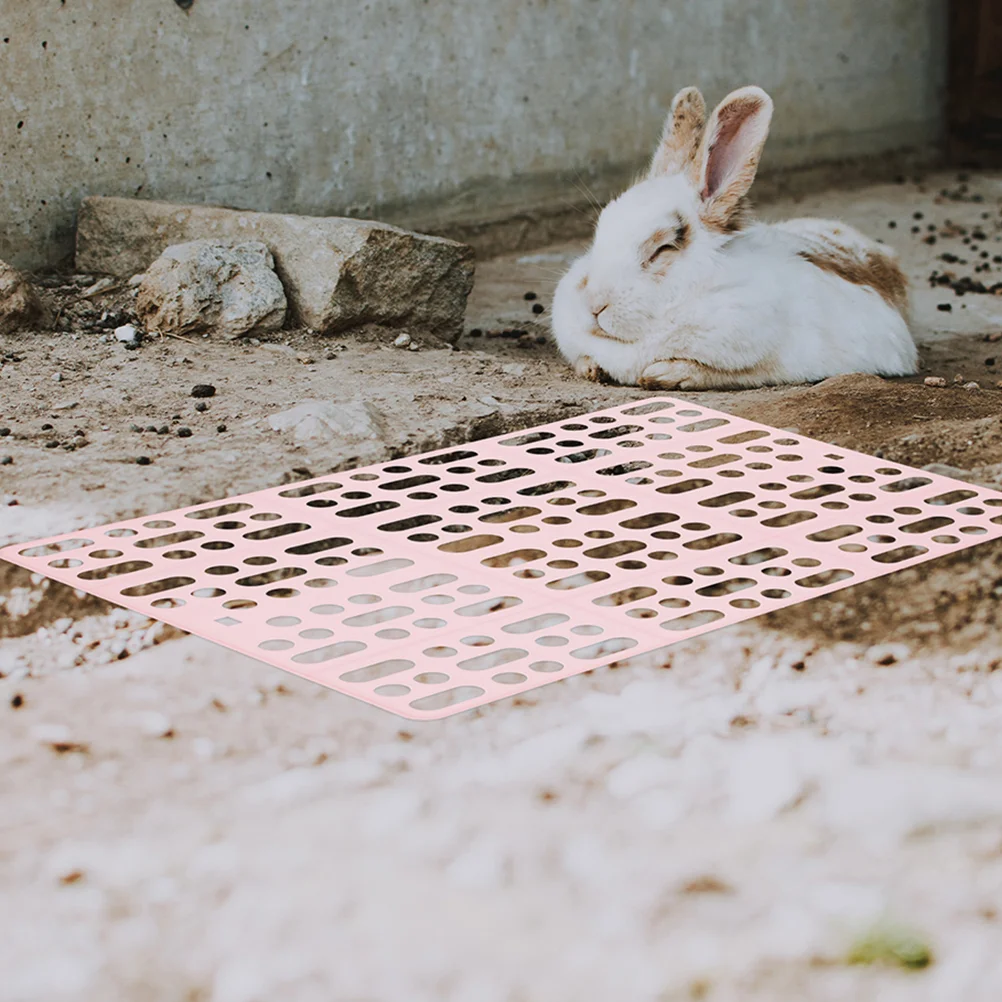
(402, 340)
(127, 334)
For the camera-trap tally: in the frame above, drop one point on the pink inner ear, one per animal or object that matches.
(734, 140)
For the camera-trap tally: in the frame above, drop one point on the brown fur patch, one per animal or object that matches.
(588, 369)
(683, 131)
(583, 282)
(869, 268)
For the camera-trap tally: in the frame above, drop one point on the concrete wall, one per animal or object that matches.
(421, 110)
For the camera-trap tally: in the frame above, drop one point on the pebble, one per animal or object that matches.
(413, 346)
(203, 390)
(402, 340)
(184, 433)
(128, 335)
(201, 406)
(4, 432)
(135, 427)
(220, 428)
(163, 430)
(57, 377)
(934, 381)
(972, 385)
(994, 336)
(945, 307)
(143, 460)
(6, 460)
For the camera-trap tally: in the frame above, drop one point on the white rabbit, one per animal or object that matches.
(679, 291)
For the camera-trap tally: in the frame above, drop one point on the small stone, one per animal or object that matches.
(476, 332)
(4, 432)
(958, 379)
(203, 390)
(143, 460)
(163, 430)
(989, 361)
(52, 445)
(934, 381)
(944, 307)
(201, 406)
(137, 280)
(57, 377)
(402, 340)
(994, 336)
(220, 428)
(128, 335)
(151, 427)
(413, 346)
(972, 385)
(46, 427)
(184, 433)
(6, 460)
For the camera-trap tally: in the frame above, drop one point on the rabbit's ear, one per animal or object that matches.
(679, 146)
(731, 150)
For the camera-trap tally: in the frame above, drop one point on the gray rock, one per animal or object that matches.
(19, 303)
(212, 286)
(322, 420)
(338, 273)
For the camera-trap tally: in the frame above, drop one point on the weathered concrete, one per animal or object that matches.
(423, 114)
(337, 273)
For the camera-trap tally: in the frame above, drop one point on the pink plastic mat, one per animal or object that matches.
(434, 584)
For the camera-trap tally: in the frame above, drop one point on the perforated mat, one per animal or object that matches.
(434, 584)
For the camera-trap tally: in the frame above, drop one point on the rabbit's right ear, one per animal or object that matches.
(679, 147)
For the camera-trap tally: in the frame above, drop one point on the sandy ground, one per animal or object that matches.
(813, 788)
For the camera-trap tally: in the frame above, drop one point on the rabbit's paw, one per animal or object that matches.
(587, 368)
(675, 374)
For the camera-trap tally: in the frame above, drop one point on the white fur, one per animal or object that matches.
(744, 306)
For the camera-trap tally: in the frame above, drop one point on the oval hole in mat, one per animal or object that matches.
(61, 546)
(541, 622)
(493, 659)
(900, 553)
(604, 648)
(489, 605)
(218, 510)
(114, 570)
(692, 620)
(153, 587)
(329, 653)
(449, 697)
(625, 596)
(823, 578)
(381, 669)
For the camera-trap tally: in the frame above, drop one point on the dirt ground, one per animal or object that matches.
(807, 806)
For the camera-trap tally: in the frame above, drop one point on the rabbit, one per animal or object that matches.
(680, 290)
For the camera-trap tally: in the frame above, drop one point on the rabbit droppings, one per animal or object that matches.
(679, 290)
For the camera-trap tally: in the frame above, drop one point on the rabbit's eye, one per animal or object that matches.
(663, 249)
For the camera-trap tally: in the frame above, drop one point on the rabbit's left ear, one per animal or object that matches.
(679, 147)
(732, 146)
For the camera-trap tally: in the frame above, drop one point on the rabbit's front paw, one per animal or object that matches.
(675, 374)
(587, 368)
